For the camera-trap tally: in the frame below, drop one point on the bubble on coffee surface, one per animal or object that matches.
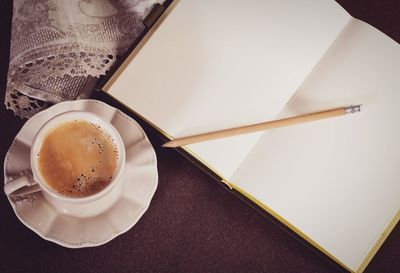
(86, 185)
(78, 158)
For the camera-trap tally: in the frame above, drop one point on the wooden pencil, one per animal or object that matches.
(262, 126)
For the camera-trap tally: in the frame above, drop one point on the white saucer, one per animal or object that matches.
(140, 175)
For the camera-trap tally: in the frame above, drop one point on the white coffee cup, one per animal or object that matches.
(76, 206)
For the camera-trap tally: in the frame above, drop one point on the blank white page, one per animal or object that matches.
(219, 64)
(337, 180)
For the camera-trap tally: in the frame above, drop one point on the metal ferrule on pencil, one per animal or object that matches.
(353, 109)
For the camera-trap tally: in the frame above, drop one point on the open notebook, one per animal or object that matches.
(219, 64)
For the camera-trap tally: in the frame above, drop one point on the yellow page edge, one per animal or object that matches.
(379, 242)
(289, 225)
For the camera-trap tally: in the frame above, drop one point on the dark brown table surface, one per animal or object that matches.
(192, 224)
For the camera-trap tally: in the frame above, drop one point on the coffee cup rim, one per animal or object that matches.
(71, 116)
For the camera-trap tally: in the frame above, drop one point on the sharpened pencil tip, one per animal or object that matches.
(168, 144)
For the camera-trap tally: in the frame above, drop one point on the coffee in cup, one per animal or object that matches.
(77, 158)
(77, 162)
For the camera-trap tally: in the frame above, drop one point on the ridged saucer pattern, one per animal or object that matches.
(140, 182)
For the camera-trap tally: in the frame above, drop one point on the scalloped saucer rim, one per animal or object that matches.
(144, 181)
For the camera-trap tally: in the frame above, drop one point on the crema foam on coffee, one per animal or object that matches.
(77, 158)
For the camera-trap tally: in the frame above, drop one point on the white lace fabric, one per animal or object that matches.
(59, 46)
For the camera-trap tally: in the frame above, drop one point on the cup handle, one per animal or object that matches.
(21, 185)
